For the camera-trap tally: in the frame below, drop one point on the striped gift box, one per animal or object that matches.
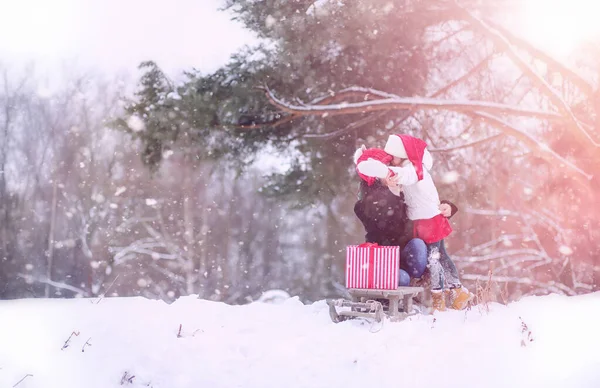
(372, 266)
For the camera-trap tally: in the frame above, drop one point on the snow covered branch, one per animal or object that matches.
(475, 109)
(352, 91)
(404, 103)
(49, 282)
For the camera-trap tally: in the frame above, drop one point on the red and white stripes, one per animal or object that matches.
(372, 267)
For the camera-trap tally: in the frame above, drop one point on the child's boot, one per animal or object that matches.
(438, 301)
(460, 297)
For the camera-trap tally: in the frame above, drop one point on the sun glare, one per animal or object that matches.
(36, 26)
(559, 26)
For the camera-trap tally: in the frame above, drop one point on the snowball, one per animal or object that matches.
(151, 202)
(142, 283)
(120, 190)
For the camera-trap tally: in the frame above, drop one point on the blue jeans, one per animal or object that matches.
(413, 261)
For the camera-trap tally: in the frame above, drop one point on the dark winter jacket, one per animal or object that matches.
(383, 215)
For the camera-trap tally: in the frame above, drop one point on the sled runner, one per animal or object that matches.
(366, 303)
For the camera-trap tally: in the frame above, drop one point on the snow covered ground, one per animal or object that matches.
(133, 342)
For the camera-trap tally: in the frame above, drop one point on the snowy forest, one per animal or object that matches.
(232, 183)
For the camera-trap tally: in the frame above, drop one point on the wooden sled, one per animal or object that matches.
(365, 304)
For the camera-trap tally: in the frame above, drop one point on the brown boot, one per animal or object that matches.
(438, 301)
(460, 298)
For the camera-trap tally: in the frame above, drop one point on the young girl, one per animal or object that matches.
(410, 168)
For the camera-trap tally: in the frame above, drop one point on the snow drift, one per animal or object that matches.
(550, 341)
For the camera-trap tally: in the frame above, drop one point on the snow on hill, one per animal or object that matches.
(551, 341)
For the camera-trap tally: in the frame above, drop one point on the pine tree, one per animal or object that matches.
(308, 49)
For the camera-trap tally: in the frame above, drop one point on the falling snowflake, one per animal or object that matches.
(99, 198)
(565, 250)
(450, 177)
(174, 96)
(135, 123)
(270, 21)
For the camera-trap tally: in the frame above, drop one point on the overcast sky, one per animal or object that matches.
(116, 35)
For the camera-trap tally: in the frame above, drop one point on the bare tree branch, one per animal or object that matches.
(348, 128)
(550, 286)
(450, 85)
(467, 145)
(20, 381)
(570, 74)
(500, 255)
(483, 63)
(504, 44)
(535, 146)
(273, 124)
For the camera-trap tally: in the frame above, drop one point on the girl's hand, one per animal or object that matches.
(446, 210)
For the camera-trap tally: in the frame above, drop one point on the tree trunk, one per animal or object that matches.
(50, 252)
(189, 234)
